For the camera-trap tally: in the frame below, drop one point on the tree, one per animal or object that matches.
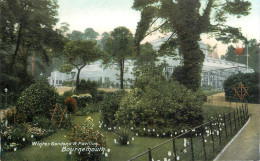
(79, 53)
(253, 52)
(90, 34)
(102, 42)
(75, 35)
(120, 47)
(26, 29)
(186, 20)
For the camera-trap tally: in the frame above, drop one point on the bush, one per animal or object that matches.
(87, 87)
(42, 122)
(67, 94)
(17, 136)
(157, 103)
(86, 134)
(70, 104)
(37, 99)
(250, 80)
(109, 107)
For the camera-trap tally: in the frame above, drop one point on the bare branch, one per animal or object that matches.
(156, 29)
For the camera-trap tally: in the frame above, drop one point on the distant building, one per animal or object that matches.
(214, 71)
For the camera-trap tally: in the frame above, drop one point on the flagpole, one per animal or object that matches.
(247, 56)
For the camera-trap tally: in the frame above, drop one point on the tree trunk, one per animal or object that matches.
(122, 66)
(18, 42)
(77, 80)
(193, 62)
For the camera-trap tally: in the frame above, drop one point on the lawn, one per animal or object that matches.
(118, 152)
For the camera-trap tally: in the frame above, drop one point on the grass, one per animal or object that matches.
(211, 92)
(118, 152)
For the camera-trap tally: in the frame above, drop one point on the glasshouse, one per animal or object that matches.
(214, 71)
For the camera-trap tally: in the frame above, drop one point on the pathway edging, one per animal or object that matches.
(233, 139)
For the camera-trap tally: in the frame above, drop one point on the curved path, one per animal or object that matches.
(246, 145)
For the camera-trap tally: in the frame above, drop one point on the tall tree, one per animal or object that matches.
(102, 42)
(120, 47)
(90, 34)
(187, 20)
(75, 35)
(24, 26)
(79, 53)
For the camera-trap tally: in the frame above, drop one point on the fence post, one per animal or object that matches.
(174, 149)
(238, 119)
(235, 120)
(219, 134)
(229, 114)
(150, 154)
(212, 136)
(241, 117)
(244, 113)
(191, 146)
(203, 142)
(225, 125)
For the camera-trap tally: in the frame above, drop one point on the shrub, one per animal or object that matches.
(109, 107)
(17, 136)
(85, 134)
(37, 99)
(70, 104)
(87, 87)
(82, 99)
(159, 103)
(250, 80)
(124, 135)
(42, 122)
(67, 94)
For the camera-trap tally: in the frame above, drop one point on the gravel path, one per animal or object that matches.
(246, 145)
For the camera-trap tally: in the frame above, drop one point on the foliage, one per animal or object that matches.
(42, 122)
(67, 94)
(89, 34)
(87, 87)
(186, 20)
(147, 55)
(38, 133)
(85, 134)
(250, 80)
(109, 107)
(37, 99)
(71, 104)
(66, 68)
(78, 53)
(119, 47)
(158, 103)
(16, 136)
(124, 135)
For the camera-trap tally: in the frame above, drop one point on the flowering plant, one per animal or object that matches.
(82, 95)
(91, 139)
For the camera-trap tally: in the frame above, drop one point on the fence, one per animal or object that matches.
(200, 143)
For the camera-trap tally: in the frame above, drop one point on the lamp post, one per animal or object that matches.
(5, 90)
(73, 73)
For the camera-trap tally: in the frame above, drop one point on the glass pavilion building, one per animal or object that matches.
(214, 72)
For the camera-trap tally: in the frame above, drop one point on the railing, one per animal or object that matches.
(200, 143)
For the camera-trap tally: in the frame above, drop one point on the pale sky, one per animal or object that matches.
(105, 15)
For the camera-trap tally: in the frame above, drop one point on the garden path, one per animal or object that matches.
(246, 145)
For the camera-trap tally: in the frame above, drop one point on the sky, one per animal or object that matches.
(105, 15)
